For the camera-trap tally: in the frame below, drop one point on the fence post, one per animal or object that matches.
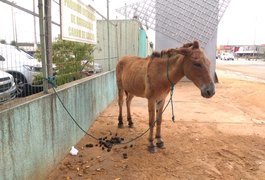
(35, 31)
(42, 44)
(117, 43)
(108, 35)
(48, 33)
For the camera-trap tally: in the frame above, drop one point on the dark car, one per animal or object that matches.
(7, 87)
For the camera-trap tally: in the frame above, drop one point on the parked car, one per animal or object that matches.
(227, 56)
(96, 67)
(7, 87)
(91, 67)
(24, 68)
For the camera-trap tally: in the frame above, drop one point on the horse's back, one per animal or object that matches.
(131, 74)
(131, 61)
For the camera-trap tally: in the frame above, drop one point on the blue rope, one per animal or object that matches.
(171, 93)
(51, 81)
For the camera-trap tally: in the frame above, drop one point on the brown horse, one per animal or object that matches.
(152, 77)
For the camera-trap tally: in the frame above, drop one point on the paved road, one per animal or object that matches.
(252, 70)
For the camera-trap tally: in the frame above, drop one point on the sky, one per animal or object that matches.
(242, 23)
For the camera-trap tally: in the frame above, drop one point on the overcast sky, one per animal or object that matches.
(242, 23)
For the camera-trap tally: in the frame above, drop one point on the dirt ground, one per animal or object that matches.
(217, 138)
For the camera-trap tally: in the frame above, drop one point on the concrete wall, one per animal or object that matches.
(124, 40)
(142, 44)
(128, 37)
(210, 51)
(36, 135)
(101, 51)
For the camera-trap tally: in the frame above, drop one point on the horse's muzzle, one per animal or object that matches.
(208, 91)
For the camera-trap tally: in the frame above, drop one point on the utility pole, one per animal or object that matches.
(14, 24)
(42, 45)
(108, 35)
(255, 32)
(61, 31)
(34, 23)
(126, 31)
(48, 37)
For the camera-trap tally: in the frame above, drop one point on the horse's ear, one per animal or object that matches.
(195, 45)
(187, 45)
(183, 51)
(163, 53)
(155, 54)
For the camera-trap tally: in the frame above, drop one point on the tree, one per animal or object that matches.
(67, 57)
(2, 41)
(13, 43)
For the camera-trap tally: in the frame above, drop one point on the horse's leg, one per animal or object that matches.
(151, 110)
(120, 93)
(128, 104)
(159, 109)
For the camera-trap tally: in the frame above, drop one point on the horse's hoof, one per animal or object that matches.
(160, 145)
(152, 149)
(130, 125)
(120, 125)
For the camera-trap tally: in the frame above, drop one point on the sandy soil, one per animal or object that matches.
(217, 138)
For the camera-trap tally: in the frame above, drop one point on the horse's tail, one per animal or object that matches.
(119, 70)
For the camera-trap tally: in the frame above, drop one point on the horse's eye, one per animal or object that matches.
(198, 65)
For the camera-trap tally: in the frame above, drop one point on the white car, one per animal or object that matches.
(227, 56)
(7, 87)
(91, 67)
(22, 66)
(97, 67)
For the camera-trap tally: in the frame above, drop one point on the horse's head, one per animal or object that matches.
(197, 68)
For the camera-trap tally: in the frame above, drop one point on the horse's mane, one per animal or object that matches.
(171, 52)
(155, 54)
(194, 45)
(162, 54)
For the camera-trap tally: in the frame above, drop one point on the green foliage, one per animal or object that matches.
(37, 54)
(2, 41)
(65, 78)
(38, 79)
(13, 43)
(67, 57)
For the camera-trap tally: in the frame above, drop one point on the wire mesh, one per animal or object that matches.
(70, 61)
(179, 19)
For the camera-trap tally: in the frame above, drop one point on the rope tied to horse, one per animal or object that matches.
(51, 81)
(114, 140)
(104, 142)
(171, 93)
